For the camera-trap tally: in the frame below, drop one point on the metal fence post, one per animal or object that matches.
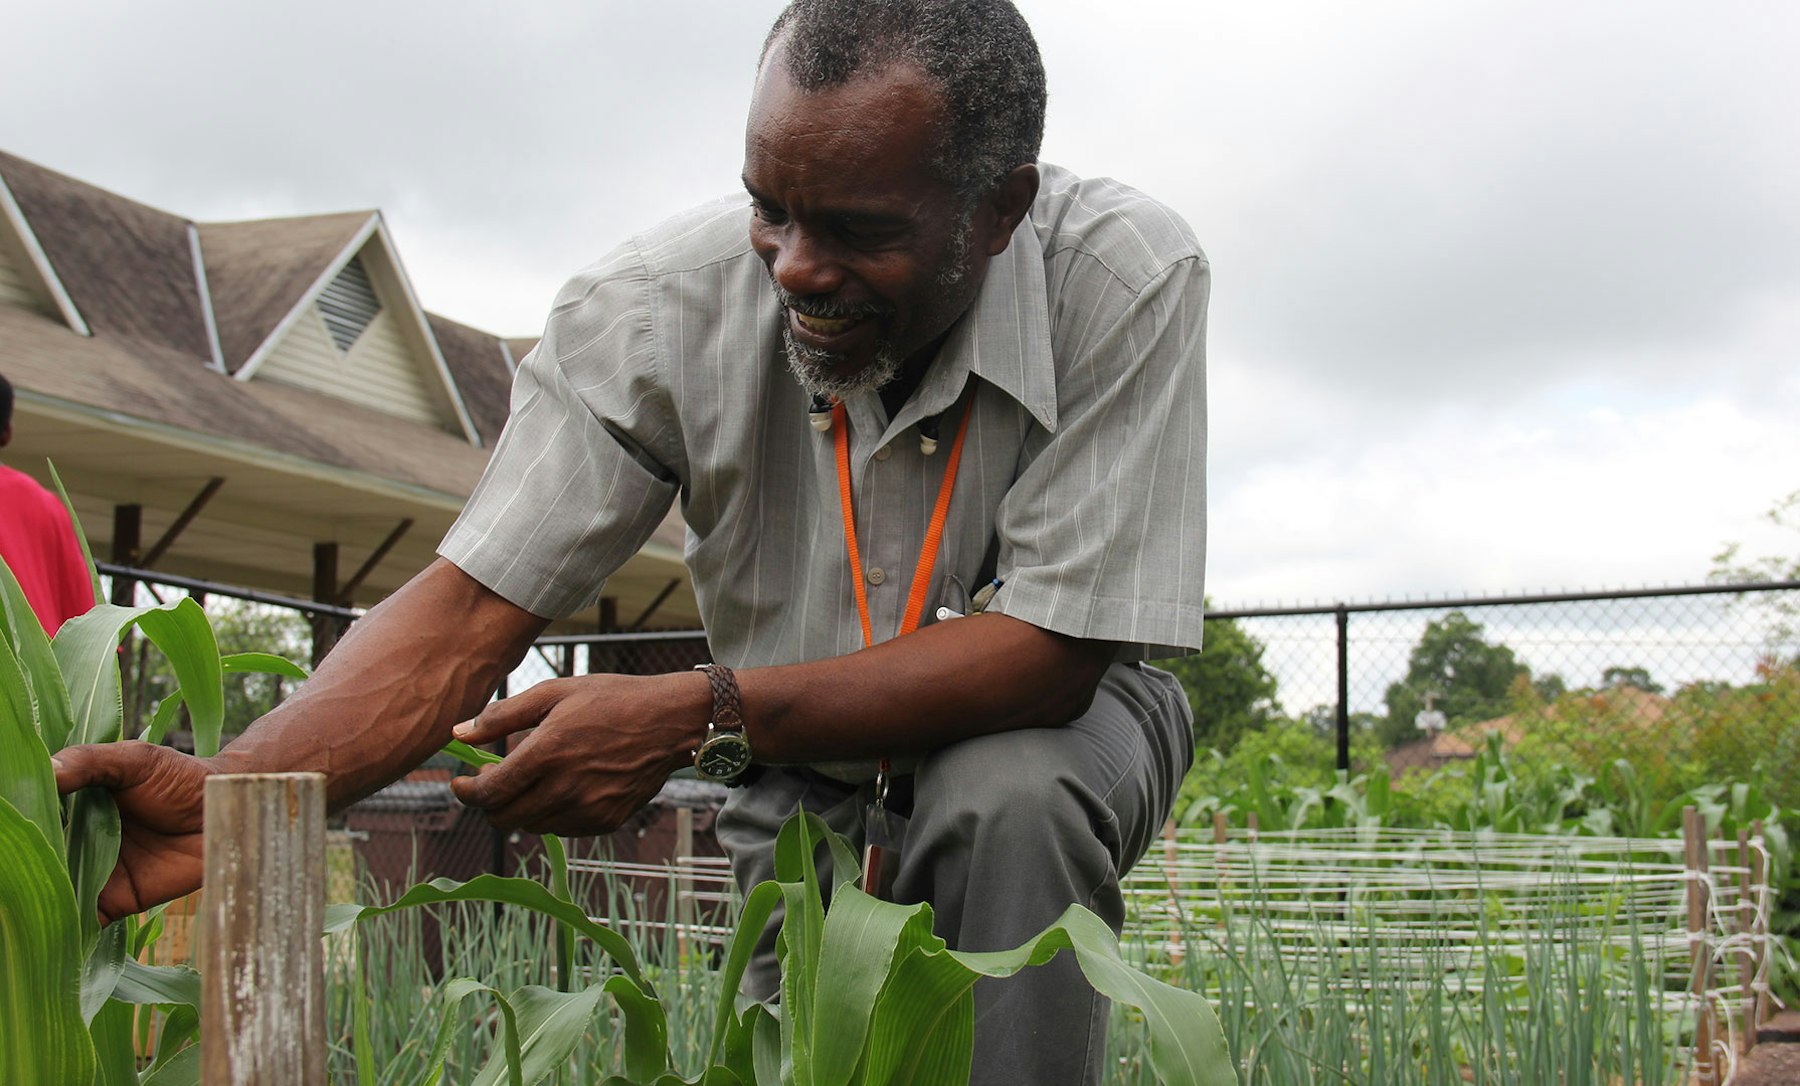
(1343, 687)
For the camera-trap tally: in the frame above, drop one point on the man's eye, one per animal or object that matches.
(768, 213)
(864, 233)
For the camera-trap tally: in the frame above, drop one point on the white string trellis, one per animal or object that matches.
(1436, 905)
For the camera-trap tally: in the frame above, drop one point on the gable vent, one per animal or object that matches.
(348, 304)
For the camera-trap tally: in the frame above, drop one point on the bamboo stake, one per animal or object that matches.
(262, 1005)
(1171, 856)
(1220, 874)
(1693, 831)
(1746, 925)
(684, 886)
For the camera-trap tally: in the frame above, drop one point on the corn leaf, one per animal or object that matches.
(525, 893)
(732, 1033)
(87, 555)
(857, 954)
(86, 650)
(26, 780)
(159, 984)
(550, 1024)
(261, 663)
(101, 968)
(43, 679)
(45, 1038)
(117, 1060)
(166, 711)
(1187, 1045)
(183, 1069)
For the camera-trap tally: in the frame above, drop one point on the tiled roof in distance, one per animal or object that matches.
(128, 268)
(478, 366)
(258, 271)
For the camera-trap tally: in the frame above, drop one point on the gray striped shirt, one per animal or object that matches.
(1083, 480)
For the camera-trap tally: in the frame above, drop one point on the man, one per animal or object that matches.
(906, 256)
(37, 540)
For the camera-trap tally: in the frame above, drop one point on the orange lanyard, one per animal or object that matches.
(873, 855)
(934, 532)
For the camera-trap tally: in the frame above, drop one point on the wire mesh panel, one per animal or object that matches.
(1379, 921)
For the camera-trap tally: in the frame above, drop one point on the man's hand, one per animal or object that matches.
(603, 747)
(160, 793)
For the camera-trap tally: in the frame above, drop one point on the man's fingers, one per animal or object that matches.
(508, 715)
(492, 786)
(103, 765)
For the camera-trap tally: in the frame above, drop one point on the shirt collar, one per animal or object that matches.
(1004, 339)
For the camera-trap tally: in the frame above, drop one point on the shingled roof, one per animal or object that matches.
(259, 271)
(149, 388)
(128, 268)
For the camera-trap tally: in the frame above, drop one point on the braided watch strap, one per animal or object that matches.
(728, 703)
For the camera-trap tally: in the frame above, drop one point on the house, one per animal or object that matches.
(263, 404)
(1460, 744)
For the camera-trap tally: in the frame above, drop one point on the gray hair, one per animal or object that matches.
(980, 52)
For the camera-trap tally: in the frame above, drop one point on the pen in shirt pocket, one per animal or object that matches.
(977, 603)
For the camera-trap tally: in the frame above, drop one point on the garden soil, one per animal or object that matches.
(1773, 1062)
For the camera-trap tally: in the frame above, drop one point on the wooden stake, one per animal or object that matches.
(1177, 947)
(1693, 832)
(684, 886)
(262, 998)
(1220, 875)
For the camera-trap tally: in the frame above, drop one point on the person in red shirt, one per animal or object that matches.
(37, 539)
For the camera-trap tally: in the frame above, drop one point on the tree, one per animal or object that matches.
(1782, 609)
(238, 627)
(1614, 678)
(1228, 688)
(1466, 678)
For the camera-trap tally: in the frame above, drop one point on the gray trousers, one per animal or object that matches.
(1006, 831)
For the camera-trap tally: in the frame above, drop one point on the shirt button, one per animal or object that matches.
(876, 576)
(882, 454)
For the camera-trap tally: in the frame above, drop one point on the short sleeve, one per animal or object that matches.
(1103, 535)
(587, 465)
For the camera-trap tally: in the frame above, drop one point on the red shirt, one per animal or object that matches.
(39, 545)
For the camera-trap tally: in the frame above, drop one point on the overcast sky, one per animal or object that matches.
(1506, 295)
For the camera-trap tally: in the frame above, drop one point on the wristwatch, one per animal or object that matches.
(724, 755)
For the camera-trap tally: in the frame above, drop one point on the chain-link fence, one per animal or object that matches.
(1692, 685)
(1697, 682)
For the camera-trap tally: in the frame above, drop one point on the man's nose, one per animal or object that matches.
(803, 264)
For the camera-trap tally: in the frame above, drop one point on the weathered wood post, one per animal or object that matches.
(262, 958)
(684, 884)
(1693, 831)
(1171, 854)
(1221, 872)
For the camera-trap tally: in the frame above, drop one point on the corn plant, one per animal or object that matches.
(869, 995)
(67, 984)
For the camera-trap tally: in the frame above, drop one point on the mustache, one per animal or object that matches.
(822, 308)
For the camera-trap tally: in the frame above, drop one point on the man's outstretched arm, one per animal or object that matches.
(605, 743)
(381, 703)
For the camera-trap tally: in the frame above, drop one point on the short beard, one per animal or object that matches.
(813, 369)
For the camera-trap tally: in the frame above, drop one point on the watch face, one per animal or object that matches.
(723, 756)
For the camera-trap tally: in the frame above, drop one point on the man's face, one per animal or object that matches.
(871, 256)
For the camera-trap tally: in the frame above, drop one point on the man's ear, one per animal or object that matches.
(1009, 203)
(6, 436)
